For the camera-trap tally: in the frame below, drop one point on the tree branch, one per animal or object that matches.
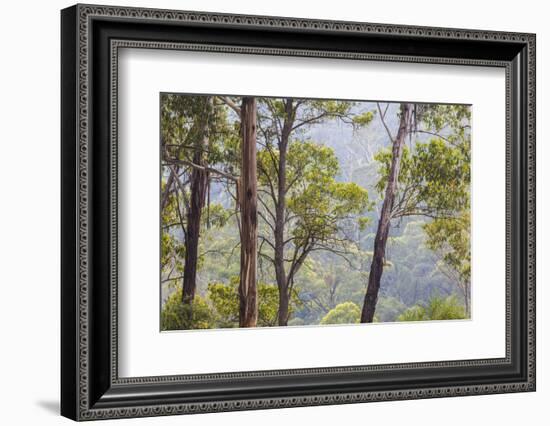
(226, 100)
(204, 168)
(382, 119)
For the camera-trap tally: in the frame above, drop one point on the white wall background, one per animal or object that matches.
(29, 212)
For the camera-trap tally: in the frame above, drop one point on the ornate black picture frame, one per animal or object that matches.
(90, 38)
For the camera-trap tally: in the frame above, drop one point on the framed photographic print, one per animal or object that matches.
(263, 212)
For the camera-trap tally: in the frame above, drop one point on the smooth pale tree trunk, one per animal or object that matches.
(248, 199)
(199, 184)
(377, 265)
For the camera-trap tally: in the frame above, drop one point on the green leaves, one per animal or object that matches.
(225, 302)
(344, 313)
(316, 150)
(224, 299)
(438, 308)
(216, 215)
(364, 119)
(176, 315)
(434, 179)
(450, 237)
(317, 201)
(316, 109)
(456, 118)
(183, 119)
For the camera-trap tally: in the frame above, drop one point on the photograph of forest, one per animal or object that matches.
(298, 212)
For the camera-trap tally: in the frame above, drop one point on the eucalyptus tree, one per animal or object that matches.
(431, 179)
(302, 205)
(193, 132)
(247, 197)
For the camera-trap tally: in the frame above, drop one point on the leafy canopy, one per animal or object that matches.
(176, 315)
(224, 299)
(344, 313)
(438, 308)
(451, 238)
(434, 179)
(318, 204)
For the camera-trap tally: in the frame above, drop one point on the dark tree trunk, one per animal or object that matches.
(280, 207)
(280, 273)
(283, 313)
(248, 312)
(199, 184)
(377, 265)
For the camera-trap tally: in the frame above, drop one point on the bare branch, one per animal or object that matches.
(266, 221)
(226, 100)
(204, 168)
(179, 277)
(265, 240)
(180, 186)
(436, 135)
(382, 119)
(310, 120)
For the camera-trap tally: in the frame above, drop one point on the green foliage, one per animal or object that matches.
(176, 315)
(317, 201)
(215, 215)
(220, 308)
(344, 313)
(185, 122)
(363, 223)
(364, 118)
(450, 119)
(268, 304)
(415, 313)
(438, 308)
(414, 274)
(389, 308)
(329, 167)
(451, 238)
(172, 249)
(183, 119)
(312, 110)
(434, 179)
(434, 182)
(225, 302)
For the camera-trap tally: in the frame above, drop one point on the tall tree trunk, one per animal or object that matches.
(248, 310)
(284, 309)
(280, 207)
(280, 274)
(377, 265)
(199, 183)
